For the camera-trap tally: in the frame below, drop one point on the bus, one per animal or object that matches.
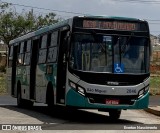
(85, 62)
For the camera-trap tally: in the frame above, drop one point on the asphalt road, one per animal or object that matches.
(154, 100)
(64, 119)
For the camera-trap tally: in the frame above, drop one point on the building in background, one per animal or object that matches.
(155, 61)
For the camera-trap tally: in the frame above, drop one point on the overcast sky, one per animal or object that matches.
(142, 9)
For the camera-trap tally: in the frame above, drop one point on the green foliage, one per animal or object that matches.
(155, 82)
(3, 89)
(13, 24)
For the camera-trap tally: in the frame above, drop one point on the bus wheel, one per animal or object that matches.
(115, 114)
(50, 98)
(20, 101)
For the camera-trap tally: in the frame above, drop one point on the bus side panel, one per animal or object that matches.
(41, 83)
(23, 76)
(42, 80)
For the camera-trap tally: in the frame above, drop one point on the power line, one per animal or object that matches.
(77, 13)
(139, 1)
(70, 12)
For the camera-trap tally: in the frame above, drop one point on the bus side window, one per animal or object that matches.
(21, 53)
(10, 58)
(54, 38)
(27, 52)
(43, 49)
(52, 50)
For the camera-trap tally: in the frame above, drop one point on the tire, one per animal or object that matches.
(115, 114)
(50, 97)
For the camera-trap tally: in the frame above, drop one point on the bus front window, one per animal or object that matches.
(133, 53)
(90, 54)
(100, 53)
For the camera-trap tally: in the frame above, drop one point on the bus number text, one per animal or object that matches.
(131, 90)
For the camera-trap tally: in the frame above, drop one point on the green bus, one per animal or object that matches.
(86, 62)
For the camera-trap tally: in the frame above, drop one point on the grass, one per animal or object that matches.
(3, 85)
(155, 82)
(155, 85)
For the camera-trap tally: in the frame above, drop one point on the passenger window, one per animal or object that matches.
(44, 41)
(28, 45)
(43, 49)
(52, 54)
(42, 55)
(11, 51)
(52, 50)
(21, 54)
(54, 38)
(27, 49)
(10, 58)
(22, 47)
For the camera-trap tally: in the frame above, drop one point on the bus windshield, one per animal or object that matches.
(103, 53)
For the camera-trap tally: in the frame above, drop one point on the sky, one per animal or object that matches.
(141, 9)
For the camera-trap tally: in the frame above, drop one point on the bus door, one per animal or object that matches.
(61, 68)
(14, 64)
(34, 57)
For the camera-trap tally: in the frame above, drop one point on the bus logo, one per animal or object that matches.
(118, 68)
(112, 83)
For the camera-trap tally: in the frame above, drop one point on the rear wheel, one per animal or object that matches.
(115, 114)
(50, 97)
(20, 101)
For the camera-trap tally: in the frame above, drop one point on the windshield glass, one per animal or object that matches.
(112, 54)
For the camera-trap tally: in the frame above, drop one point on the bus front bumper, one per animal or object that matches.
(77, 100)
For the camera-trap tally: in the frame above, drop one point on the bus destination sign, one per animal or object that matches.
(113, 25)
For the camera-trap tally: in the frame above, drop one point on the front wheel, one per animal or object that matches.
(115, 114)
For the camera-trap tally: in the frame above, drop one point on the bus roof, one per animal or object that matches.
(66, 22)
(40, 31)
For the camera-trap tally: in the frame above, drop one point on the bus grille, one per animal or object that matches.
(101, 99)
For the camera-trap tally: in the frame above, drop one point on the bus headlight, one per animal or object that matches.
(77, 88)
(141, 92)
(146, 88)
(81, 90)
(73, 85)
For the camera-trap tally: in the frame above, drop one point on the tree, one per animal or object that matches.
(13, 24)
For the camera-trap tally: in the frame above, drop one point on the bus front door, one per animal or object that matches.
(61, 69)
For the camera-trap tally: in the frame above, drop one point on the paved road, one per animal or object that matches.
(69, 119)
(154, 100)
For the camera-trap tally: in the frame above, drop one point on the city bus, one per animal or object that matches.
(85, 62)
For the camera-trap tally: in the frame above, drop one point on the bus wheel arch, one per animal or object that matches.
(50, 95)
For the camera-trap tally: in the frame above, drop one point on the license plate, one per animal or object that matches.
(115, 102)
